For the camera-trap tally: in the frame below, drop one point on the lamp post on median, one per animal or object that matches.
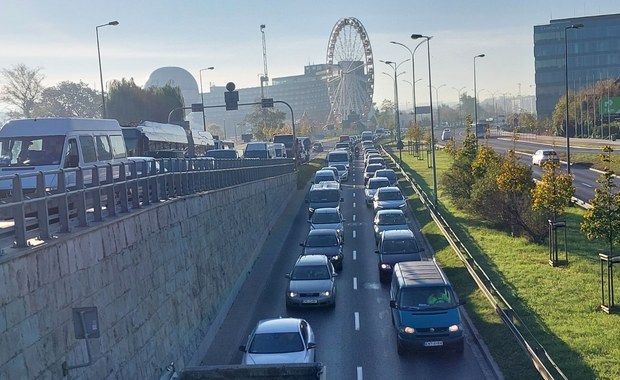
(476, 94)
(566, 130)
(415, 113)
(202, 98)
(437, 99)
(111, 23)
(430, 93)
(399, 143)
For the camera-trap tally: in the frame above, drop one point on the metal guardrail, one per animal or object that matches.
(96, 192)
(537, 353)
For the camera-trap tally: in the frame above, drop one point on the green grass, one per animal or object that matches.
(306, 171)
(560, 306)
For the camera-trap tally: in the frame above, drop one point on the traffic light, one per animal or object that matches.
(231, 97)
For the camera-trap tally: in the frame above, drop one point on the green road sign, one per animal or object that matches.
(609, 105)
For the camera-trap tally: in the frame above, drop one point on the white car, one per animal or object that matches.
(280, 340)
(545, 155)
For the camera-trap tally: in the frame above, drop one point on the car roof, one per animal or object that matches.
(398, 234)
(420, 273)
(371, 166)
(278, 325)
(385, 171)
(379, 179)
(322, 231)
(324, 171)
(325, 185)
(311, 260)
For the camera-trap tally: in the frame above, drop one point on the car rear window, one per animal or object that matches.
(397, 246)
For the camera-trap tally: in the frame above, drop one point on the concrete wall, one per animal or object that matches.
(158, 277)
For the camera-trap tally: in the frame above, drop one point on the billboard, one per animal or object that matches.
(609, 105)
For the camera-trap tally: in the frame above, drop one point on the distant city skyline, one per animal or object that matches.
(224, 35)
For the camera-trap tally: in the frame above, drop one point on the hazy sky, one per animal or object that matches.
(58, 36)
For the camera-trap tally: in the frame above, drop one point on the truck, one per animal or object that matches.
(368, 136)
(288, 141)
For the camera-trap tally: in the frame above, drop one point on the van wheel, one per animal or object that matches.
(400, 348)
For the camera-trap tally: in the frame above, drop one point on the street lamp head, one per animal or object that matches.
(209, 68)
(262, 26)
(575, 26)
(479, 56)
(114, 23)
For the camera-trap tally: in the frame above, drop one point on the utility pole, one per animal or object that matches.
(265, 77)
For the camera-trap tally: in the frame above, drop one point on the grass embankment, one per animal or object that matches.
(558, 305)
(306, 171)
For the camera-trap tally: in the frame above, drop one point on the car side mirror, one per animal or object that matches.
(377, 251)
(288, 275)
(421, 249)
(309, 221)
(301, 244)
(393, 304)
(242, 348)
(334, 274)
(463, 302)
(311, 345)
(342, 199)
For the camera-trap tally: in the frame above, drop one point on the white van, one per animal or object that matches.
(259, 149)
(33, 145)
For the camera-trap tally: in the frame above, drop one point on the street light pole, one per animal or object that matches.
(395, 66)
(476, 94)
(111, 23)
(573, 26)
(415, 113)
(430, 91)
(459, 90)
(202, 98)
(437, 98)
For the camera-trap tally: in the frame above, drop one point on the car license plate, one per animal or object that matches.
(310, 301)
(433, 343)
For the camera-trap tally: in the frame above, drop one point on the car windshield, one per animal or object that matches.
(433, 297)
(391, 219)
(31, 151)
(276, 343)
(310, 272)
(319, 218)
(377, 184)
(397, 246)
(372, 168)
(390, 196)
(321, 241)
(550, 153)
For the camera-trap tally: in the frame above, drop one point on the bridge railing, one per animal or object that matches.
(32, 206)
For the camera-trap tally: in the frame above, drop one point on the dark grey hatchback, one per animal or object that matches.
(396, 246)
(326, 242)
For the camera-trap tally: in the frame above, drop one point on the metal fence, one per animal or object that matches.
(543, 363)
(88, 194)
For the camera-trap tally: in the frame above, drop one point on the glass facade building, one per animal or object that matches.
(593, 55)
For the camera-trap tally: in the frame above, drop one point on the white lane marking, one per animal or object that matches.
(354, 283)
(354, 234)
(357, 321)
(587, 185)
(360, 375)
(354, 195)
(354, 255)
(354, 217)
(353, 204)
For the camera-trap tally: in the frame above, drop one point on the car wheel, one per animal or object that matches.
(400, 348)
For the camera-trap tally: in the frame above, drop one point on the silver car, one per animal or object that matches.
(280, 340)
(372, 186)
(389, 174)
(311, 282)
(388, 198)
(327, 218)
(387, 220)
(343, 172)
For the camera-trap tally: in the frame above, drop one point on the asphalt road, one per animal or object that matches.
(355, 340)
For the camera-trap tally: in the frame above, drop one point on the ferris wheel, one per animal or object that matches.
(351, 73)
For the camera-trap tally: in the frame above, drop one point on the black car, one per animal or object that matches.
(317, 147)
(326, 242)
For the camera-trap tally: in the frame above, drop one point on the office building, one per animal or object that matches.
(593, 55)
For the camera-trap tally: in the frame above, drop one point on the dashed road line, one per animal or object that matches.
(360, 375)
(354, 255)
(587, 185)
(354, 283)
(357, 321)
(354, 234)
(353, 204)
(354, 217)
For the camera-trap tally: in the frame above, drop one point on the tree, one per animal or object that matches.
(216, 130)
(554, 191)
(22, 88)
(602, 221)
(385, 115)
(129, 103)
(69, 99)
(266, 122)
